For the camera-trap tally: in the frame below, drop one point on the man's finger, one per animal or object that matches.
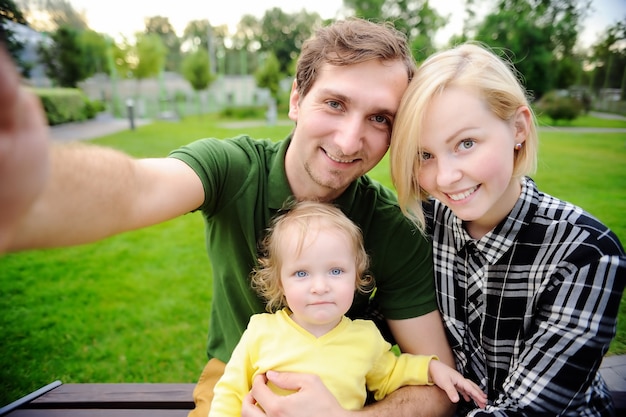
(9, 82)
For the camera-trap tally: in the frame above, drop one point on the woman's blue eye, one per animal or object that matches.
(467, 143)
(335, 271)
(301, 274)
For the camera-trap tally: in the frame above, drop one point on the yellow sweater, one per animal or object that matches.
(348, 359)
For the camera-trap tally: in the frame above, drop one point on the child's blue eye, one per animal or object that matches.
(301, 274)
(335, 271)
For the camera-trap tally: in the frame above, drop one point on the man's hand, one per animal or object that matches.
(24, 160)
(311, 399)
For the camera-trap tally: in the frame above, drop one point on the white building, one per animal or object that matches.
(31, 40)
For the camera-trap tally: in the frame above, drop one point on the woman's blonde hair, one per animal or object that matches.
(470, 65)
(265, 278)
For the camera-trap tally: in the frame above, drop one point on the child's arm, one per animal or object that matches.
(235, 383)
(453, 383)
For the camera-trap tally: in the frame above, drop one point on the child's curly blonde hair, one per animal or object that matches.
(265, 277)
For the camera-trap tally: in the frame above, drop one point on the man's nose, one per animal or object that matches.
(350, 138)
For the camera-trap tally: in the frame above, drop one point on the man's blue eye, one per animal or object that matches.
(380, 119)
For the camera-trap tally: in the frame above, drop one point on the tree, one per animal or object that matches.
(95, 49)
(421, 30)
(248, 33)
(162, 27)
(540, 36)
(366, 9)
(50, 15)
(244, 44)
(565, 17)
(199, 34)
(63, 59)
(568, 72)
(149, 54)
(9, 12)
(283, 34)
(124, 57)
(269, 75)
(196, 35)
(525, 44)
(196, 69)
(608, 57)
(74, 55)
(415, 18)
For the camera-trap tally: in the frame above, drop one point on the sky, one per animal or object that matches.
(115, 17)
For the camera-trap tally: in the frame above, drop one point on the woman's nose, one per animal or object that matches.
(448, 172)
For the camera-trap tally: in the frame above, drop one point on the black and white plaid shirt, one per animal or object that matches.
(531, 307)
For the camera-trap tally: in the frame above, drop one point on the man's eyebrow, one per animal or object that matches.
(334, 93)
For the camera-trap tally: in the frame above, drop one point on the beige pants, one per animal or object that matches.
(203, 392)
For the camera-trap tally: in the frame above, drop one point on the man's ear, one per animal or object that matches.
(294, 100)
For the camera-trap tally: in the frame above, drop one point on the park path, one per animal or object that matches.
(102, 125)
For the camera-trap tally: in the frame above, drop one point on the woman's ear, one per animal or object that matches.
(521, 123)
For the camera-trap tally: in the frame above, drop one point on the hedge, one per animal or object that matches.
(64, 105)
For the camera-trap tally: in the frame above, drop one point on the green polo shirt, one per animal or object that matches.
(245, 185)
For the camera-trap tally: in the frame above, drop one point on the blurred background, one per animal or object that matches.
(190, 57)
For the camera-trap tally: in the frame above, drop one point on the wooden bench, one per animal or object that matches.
(613, 370)
(175, 400)
(110, 400)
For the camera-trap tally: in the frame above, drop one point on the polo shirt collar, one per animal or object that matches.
(279, 189)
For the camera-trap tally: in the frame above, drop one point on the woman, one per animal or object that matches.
(529, 286)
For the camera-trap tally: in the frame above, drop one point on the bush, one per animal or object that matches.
(92, 108)
(64, 105)
(558, 106)
(244, 112)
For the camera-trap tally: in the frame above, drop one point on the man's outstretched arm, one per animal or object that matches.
(95, 192)
(24, 163)
(69, 194)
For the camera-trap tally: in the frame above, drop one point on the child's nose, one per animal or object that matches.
(319, 285)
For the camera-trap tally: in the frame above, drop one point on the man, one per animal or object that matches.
(349, 81)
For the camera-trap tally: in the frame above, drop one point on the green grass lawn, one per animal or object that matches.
(584, 120)
(135, 307)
